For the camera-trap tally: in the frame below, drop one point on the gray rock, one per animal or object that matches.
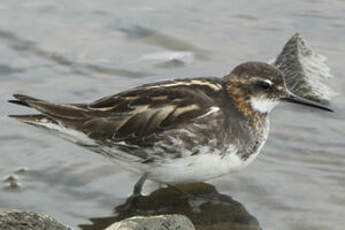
(21, 220)
(306, 73)
(166, 222)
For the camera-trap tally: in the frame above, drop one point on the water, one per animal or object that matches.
(82, 50)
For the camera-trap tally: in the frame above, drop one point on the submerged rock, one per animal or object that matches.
(166, 222)
(201, 203)
(21, 220)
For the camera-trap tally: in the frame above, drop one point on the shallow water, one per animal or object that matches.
(84, 50)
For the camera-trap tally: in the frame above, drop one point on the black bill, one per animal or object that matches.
(299, 100)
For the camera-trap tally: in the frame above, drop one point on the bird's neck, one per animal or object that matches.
(243, 104)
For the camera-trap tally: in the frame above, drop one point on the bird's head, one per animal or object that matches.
(259, 87)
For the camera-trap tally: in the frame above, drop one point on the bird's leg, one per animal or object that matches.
(130, 203)
(139, 186)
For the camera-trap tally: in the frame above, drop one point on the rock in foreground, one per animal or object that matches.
(168, 222)
(21, 220)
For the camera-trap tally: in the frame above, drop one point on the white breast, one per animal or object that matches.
(198, 168)
(208, 164)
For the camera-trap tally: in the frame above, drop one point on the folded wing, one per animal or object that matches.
(131, 115)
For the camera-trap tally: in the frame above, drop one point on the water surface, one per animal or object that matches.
(82, 50)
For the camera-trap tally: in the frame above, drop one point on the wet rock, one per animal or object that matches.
(201, 203)
(10, 178)
(12, 182)
(21, 220)
(21, 171)
(167, 222)
(306, 73)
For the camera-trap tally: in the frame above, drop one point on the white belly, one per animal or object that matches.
(197, 168)
(206, 165)
(203, 167)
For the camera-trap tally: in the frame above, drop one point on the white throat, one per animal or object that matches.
(262, 105)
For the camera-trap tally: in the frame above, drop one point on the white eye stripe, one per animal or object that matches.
(268, 81)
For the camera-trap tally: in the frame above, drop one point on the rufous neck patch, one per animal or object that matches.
(240, 100)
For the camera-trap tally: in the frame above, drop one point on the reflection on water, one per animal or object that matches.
(157, 38)
(30, 48)
(202, 203)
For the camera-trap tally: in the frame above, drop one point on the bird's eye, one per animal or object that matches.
(264, 84)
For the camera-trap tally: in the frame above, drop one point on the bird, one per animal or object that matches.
(176, 131)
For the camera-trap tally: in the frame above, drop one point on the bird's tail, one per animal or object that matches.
(63, 119)
(33, 119)
(49, 112)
